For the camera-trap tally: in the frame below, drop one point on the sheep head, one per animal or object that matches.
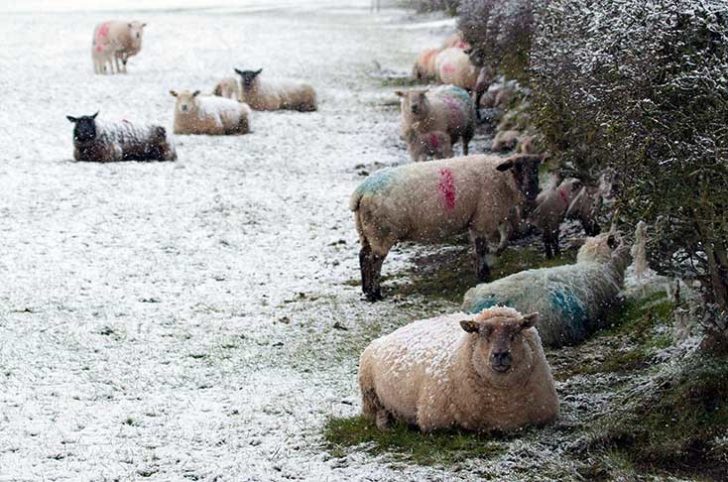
(414, 105)
(185, 100)
(85, 127)
(501, 353)
(136, 30)
(602, 248)
(248, 76)
(524, 168)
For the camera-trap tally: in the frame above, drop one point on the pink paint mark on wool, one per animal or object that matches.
(564, 197)
(103, 31)
(434, 142)
(446, 186)
(454, 111)
(448, 68)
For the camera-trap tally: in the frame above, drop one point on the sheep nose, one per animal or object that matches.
(414, 109)
(502, 358)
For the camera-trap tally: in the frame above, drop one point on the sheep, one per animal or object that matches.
(430, 201)
(97, 141)
(267, 95)
(195, 114)
(505, 141)
(455, 40)
(228, 88)
(572, 300)
(446, 108)
(554, 204)
(481, 373)
(122, 39)
(454, 67)
(424, 68)
(434, 144)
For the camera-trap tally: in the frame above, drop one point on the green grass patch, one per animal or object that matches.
(407, 444)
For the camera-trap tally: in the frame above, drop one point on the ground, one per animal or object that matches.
(202, 319)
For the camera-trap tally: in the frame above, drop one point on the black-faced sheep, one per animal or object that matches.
(196, 114)
(486, 372)
(482, 195)
(266, 95)
(572, 300)
(120, 141)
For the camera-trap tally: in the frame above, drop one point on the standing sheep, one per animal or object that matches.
(429, 144)
(425, 68)
(572, 300)
(431, 201)
(265, 95)
(229, 87)
(118, 40)
(454, 67)
(484, 373)
(446, 108)
(195, 114)
(96, 141)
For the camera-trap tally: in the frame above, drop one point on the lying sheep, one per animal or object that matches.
(454, 67)
(446, 108)
(484, 373)
(431, 201)
(429, 144)
(228, 88)
(267, 95)
(572, 300)
(196, 114)
(505, 141)
(424, 68)
(455, 40)
(97, 141)
(116, 39)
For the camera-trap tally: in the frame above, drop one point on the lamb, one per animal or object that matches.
(97, 141)
(454, 67)
(431, 201)
(118, 40)
(276, 96)
(195, 114)
(425, 68)
(572, 300)
(571, 199)
(228, 88)
(446, 108)
(430, 144)
(481, 373)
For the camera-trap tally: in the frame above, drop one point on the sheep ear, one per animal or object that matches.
(257, 72)
(504, 166)
(144, 24)
(529, 320)
(471, 326)
(399, 93)
(238, 71)
(94, 116)
(612, 241)
(195, 93)
(129, 25)
(173, 93)
(71, 119)
(468, 51)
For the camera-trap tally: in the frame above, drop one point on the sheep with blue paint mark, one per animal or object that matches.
(433, 201)
(571, 300)
(446, 108)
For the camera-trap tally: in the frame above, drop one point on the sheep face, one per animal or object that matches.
(599, 248)
(414, 105)
(85, 127)
(136, 30)
(248, 77)
(186, 102)
(524, 168)
(501, 352)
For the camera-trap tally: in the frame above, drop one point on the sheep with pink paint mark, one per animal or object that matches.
(113, 43)
(425, 68)
(446, 108)
(482, 372)
(453, 67)
(433, 201)
(422, 146)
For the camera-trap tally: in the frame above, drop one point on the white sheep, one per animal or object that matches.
(455, 40)
(98, 141)
(482, 195)
(117, 41)
(505, 141)
(480, 373)
(229, 87)
(267, 95)
(446, 108)
(428, 144)
(425, 68)
(454, 67)
(572, 300)
(196, 114)
(571, 199)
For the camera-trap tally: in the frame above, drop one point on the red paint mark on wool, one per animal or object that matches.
(564, 196)
(448, 68)
(103, 30)
(446, 186)
(434, 142)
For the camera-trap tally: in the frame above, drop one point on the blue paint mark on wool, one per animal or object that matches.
(457, 92)
(570, 307)
(376, 182)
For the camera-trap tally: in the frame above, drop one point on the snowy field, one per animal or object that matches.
(194, 320)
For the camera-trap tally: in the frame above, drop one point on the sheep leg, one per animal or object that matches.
(551, 243)
(482, 270)
(370, 265)
(465, 145)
